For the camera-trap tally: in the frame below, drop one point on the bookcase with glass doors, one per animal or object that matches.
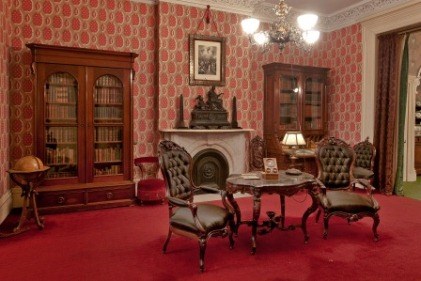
(83, 127)
(294, 100)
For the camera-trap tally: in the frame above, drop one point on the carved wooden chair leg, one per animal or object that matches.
(375, 224)
(164, 249)
(325, 226)
(231, 239)
(318, 215)
(232, 230)
(202, 245)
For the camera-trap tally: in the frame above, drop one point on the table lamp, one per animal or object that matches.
(293, 139)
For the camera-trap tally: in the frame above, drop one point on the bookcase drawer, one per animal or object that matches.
(49, 199)
(110, 194)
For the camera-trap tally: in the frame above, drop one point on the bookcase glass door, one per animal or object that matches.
(288, 111)
(313, 110)
(61, 144)
(108, 126)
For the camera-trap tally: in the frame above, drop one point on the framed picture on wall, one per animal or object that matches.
(207, 60)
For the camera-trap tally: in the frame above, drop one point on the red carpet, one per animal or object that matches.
(126, 243)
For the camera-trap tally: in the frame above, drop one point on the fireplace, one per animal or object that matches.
(210, 167)
(216, 153)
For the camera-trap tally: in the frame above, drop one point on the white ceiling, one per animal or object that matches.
(333, 14)
(321, 7)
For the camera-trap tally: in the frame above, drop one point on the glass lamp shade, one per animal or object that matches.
(311, 36)
(307, 21)
(250, 25)
(261, 38)
(293, 138)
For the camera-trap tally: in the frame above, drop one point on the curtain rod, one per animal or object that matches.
(411, 30)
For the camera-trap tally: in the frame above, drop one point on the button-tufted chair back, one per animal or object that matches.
(365, 153)
(335, 160)
(175, 164)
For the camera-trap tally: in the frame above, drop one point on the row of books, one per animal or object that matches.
(104, 134)
(109, 112)
(54, 175)
(61, 111)
(61, 134)
(108, 95)
(108, 154)
(61, 94)
(112, 170)
(108, 81)
(313, 110)
(288, 97)
(313, 124)
(66, 155)
(62, 78)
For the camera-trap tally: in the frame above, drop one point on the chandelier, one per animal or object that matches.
(283, 31)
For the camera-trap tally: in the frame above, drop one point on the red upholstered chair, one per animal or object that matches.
(150, 187)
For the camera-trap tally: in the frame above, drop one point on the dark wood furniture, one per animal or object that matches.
(186, 218)
(285, 185)
(83, 127)
(335, 161)
(257, 153)
(29, 182)
(295, 100)
(150, 187)
(365, 153)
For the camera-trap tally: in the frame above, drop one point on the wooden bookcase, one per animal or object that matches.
(83, 127)
(295, 100)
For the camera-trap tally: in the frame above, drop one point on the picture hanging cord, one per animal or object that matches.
(207, 17)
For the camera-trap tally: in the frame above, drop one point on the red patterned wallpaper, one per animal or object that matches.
(130, 26)
(5, 28)
(175, 24)
(339, 50)
(99, 24)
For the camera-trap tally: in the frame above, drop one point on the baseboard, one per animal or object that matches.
(5, 205)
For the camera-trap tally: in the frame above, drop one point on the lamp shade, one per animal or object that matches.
(250, 25)
(293, 138)
(261, 38)
(311, 36)
(307, 21)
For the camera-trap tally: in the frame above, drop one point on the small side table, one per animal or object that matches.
(28, 181)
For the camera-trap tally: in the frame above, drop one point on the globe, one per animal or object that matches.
(29, 164)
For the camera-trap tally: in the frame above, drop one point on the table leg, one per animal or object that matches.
(282, 197)
(255, 221)
(307, 213)
(237, 211)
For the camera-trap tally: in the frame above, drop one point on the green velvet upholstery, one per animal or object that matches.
(337, 197)
(199, 221)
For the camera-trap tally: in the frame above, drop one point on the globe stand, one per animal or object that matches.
(29, 182)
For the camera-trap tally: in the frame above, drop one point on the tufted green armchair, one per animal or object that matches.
(198, 221)
(364, 162)
(337, 195)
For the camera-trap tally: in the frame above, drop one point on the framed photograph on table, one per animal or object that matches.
(207, 60)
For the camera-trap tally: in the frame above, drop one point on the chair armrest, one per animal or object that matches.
(209, 189)
(186, 204)
(178, 202)
(366, 185)
(223, 193)
(321, 187)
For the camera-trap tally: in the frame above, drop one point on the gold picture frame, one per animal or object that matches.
(207, 60)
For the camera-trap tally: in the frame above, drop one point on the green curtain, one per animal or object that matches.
(401, 117)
